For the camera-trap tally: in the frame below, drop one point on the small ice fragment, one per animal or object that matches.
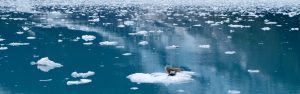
(94, 20)
(172, 47)
(88, 37)
(45, 80)
(233, 92)
(127, 54)
(81, 81)
(121, 26)
(144, 33)
(45, 65)
(25, 28)
(128, 23)
(204, 46)
(87, 43)
(18, 44)
(180, 90)
(253, 71)
(134, 88)
(82, 75)
(143, 43)
(120, 47)
(197, 25)
(230, 52)
(20, 32)
(108, 43)
(1, 39)
(30, 37)
(266, 28)
(294, 29)
(3, 48)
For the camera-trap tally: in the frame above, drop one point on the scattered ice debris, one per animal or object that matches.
(172, 47)
(45, 80)
(230, 52)
(127, 54)
(144, 33)
(128, 23)
(30, 38)
(108, 43)
(134, 88)
(81, 81)
(88, 37)
(164, 78)
(82, 75)
(204, 46)
(294, 29)
(3, 48)
(233, 92)
(18, 44)
(45, 65)
(253, 71)
(143, 43)
(266, 28)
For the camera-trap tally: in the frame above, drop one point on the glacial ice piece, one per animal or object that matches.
(230, 52)
(88, 37)
(81, 81)
(45, 65)
(127, 54)
(82, 75)
(108, 43)
(3, 48)
(164, 78)
(266, 28)
(17, 44)
(143, 43)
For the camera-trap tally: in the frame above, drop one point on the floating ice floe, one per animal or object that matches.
(266, 28)
(164, 78)
(134, 88)
(18, 44)
(121, 26)
(143, 43)
(233, 92)
(59, 40)
(108, 43)
(230, 52)
(127, 54)
(197, 25)
(253, 71)
(30, 38)
(88, 37)
(172, 47)
(25, 28)
(204, 46)
(1, 39)
(180, 90)
(3, 48)
(144, 33)
(20, 32)
(238, 26)
(294, 29)
(81, 81)
(45, 80)
(87, 43)
(45, 65)
(82, 75)
(94, 20)
(128, 23)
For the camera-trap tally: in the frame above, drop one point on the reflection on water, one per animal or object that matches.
(229, 51)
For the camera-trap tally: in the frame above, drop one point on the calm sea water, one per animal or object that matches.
(275, 53)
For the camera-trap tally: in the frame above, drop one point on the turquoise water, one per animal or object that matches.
(275, 53)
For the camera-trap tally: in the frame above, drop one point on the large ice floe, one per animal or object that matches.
(163, 78)
(45, 65)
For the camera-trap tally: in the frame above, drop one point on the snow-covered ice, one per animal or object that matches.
(88, 37)
(230, 52)
(3, 48)
(127, 54)
(45, 65)
(82, 75)
(164, 78)
(108, 43)
(143, 43)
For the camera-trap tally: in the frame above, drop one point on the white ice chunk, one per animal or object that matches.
(253, 71)
(88, 37)
(3, 48)
(266, 28)
(81, 81)
(294, 29)
(164, 78)
(134, 88)
(230, 52)
(172, 47)
(233, 92)
(20, 32)
(45, 80)
(143, 43)
(204, 46)
(127, 54)
(87, 43)
(128, 23)
(30, 37)
(45, 65)
(17, 44)
(1, 39)
(82, 75)
(108, 43)
(144, 33)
